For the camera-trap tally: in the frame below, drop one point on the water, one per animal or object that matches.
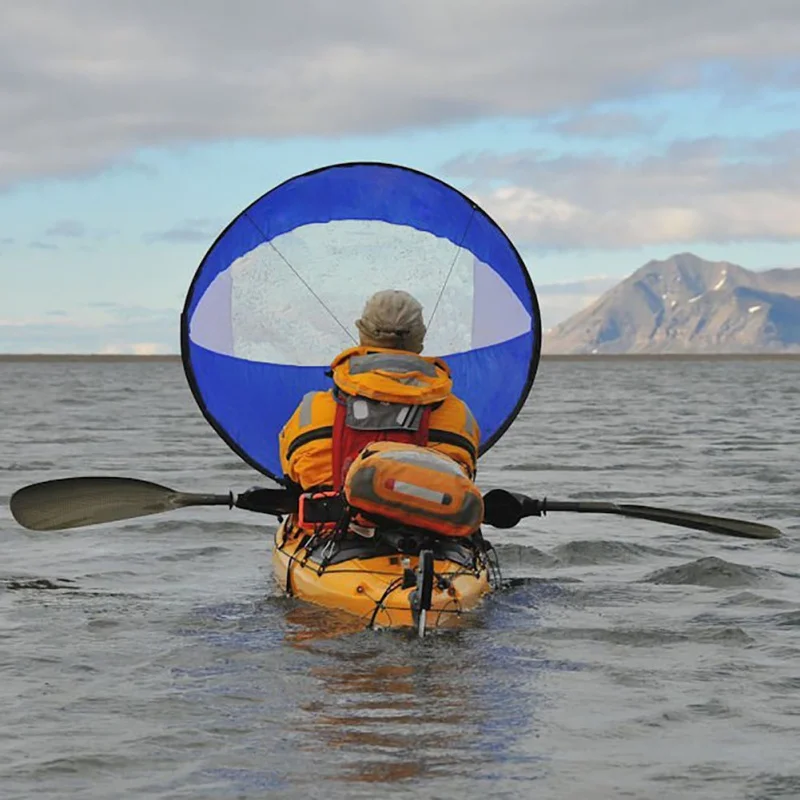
(156, 658)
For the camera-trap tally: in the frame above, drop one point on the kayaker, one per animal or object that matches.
(384, 390)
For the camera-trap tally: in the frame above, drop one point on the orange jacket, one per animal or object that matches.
(306, 441)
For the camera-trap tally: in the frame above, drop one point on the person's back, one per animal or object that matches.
(384, 390)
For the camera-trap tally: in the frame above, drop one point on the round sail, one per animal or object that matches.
(275, 299)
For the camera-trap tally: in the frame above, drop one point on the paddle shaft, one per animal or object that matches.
(186, 499)
(504, 509)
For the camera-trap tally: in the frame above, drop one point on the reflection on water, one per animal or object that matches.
(364, 707)
(393, 707)
(307, 624)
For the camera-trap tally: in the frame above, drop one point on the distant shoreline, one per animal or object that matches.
(673, 357)
(94, 357)
(110, 358)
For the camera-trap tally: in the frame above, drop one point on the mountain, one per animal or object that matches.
(687, 305)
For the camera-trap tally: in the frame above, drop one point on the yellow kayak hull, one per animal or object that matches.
(370, 587)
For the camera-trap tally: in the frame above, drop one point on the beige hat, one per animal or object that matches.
(393, 319)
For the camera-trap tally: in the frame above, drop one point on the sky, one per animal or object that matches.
(600, 134)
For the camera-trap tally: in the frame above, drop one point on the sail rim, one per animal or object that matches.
(190, 305)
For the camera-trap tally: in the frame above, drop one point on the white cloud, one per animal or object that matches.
(594, 284)
(706, 190)
(559, 301)
(100, 328)
(604, 124)
(85, 83)
(148, 348)
(190, 230)
(135, 349)
(69, 228)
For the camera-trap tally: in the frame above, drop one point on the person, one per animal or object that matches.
(384, 390)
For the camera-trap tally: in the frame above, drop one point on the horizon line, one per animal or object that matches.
(170, 357)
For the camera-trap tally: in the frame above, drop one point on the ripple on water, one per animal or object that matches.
(26, 466)
(522, 555)
(756, 601)
(710, 571)
(596, 551)
(768, 786)
(650, 637)
(791, 619)
(41, 584)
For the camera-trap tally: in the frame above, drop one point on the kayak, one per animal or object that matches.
(380, 580)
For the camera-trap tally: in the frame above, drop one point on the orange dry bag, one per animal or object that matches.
(414, 486)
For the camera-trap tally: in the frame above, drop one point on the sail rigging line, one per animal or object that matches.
(452, 265)
(300, 278)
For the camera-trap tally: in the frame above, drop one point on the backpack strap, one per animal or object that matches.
(360, 421)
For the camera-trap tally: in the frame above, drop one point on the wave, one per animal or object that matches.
(12, 584)
(520, 555)
(649, 637)
(599, 551)
(710, 571)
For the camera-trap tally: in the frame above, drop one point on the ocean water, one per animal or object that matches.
(157, 658)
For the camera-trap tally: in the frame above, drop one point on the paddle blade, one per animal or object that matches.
(702, 522)
(77, 502)
(669, 516)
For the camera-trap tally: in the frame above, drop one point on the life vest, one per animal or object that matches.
(383, 396)
(415, 487)
(421, 386)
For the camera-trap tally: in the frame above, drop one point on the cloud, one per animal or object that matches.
(191, 230)
(559, 301)
(711, 190)
(111, 328)
(38, 244)
(67, 228)
(583, 286)
(605, 124)
(86, 83)
(135, 349)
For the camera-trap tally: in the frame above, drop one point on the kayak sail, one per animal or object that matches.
(277, 295)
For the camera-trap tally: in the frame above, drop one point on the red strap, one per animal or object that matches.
(422, 433)
(348, 443)
(339, 428)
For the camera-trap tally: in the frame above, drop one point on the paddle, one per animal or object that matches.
(76, 502)
(504, 509)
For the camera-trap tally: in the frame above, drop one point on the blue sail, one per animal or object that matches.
(276, 297)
